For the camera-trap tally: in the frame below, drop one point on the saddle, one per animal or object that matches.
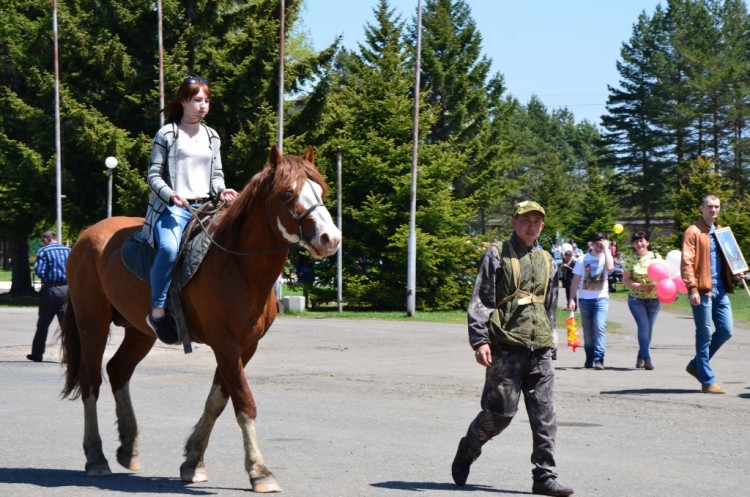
(138, 256)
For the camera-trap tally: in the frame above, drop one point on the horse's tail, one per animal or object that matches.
(71, 352)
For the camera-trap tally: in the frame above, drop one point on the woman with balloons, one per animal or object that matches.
(643, 302)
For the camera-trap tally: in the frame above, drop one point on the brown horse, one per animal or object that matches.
(229, 302)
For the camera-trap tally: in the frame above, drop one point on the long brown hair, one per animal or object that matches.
(187, 90)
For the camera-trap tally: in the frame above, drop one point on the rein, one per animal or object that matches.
(297, 220)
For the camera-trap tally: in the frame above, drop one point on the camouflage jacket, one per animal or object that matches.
(499, 313)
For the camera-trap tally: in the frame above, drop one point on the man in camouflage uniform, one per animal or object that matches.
(512, 331)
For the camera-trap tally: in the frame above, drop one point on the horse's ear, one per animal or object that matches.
(309, 155)
(274, 156)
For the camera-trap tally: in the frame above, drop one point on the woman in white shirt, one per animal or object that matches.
(591, 287)
(185, 170)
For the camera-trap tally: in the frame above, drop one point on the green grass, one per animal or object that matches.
(449, 317)
(15, 300)
(740, 308)
(740, 304)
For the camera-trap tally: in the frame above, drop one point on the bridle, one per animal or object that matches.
(296, 218)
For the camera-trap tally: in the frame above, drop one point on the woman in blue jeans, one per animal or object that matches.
(590, 286)
(642, 300)
(185, 170)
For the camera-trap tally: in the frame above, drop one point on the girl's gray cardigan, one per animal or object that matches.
(162, 174)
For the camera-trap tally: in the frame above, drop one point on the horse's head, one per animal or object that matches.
(297, 210)
(287, 194)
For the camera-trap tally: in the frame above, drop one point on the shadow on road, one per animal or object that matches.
(648, 391)
(127, 483)
(421, 486)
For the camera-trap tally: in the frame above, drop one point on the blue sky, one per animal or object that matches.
(563, 51)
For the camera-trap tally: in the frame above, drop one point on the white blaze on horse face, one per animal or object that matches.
(327, 236)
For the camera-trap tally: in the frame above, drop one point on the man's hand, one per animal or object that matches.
(695, 299)
(483, 355)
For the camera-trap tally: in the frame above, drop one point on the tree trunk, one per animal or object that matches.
(21, 277)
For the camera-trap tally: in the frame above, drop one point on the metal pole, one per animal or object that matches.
(278, 288)
(58, 161)
(339, 266)
(111, 164)
(109, 193)
(281, 78)
(161, 65)
(411, 273)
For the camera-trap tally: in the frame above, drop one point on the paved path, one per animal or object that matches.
(372, 408)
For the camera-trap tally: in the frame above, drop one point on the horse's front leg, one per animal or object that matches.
(261, 478)
(231, 368)
(194, 469)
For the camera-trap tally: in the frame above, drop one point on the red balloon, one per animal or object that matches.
(658, 271)
(681, 288)
(666, 290)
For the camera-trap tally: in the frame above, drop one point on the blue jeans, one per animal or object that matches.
(714, 309)
(594, 320)
(167, 235)
(644, 311)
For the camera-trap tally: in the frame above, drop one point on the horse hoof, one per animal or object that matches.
(265, 484)
(99, 469)
(193, 474)
(131, 463)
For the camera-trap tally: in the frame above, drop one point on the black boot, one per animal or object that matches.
(462, 463)
(165, 329)
(550, 486)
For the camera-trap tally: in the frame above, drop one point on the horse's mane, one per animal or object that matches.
(263, 187)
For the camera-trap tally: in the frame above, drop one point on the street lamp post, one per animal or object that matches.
(111, 164)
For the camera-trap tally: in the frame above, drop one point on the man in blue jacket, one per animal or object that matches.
(50, 268)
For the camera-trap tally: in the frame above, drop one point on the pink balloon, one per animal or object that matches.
(666, 290)
(657, 271)
(666, 302)
(681, 287)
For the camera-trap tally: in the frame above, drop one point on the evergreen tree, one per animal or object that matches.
(703, 179)
(369, 115)
(456, 81)
(633, 125)
(109, 97)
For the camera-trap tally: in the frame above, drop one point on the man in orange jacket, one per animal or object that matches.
(708, 279)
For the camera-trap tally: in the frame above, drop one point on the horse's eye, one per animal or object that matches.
(288, 194)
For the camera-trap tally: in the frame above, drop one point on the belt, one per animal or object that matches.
(55, 284)
(197, 200)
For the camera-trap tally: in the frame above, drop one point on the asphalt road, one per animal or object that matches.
(374, 408)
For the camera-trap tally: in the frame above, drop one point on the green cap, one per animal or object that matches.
(528, 206)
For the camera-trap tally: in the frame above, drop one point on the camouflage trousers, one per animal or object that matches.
(516, 370)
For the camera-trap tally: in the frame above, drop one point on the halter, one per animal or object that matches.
(297, 220)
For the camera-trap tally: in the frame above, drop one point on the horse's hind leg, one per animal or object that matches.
(194, 469)
(120, 369)
(90, 377)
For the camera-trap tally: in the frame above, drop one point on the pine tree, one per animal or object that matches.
(457, 83)
(370, 117)
(109, 97)
(633, 125)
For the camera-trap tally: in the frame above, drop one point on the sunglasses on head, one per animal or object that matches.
(195, 79)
